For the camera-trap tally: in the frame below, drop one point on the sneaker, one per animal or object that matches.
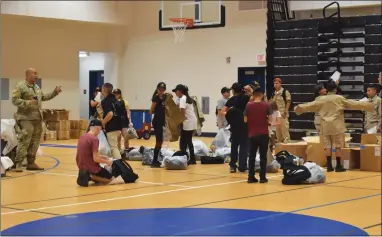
(340, 169)
(252, 180)
(264, 180)
(232, 170)
(329, 169)
(191, 162)
(155, 164)
(83, 178)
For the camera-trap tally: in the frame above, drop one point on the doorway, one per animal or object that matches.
(247, 75)
(96, 79)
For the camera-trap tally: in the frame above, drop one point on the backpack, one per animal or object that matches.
(283, 94)
(123, 169)
(119, 109)
(296, 174)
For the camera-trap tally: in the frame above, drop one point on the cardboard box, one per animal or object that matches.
(371, 158)
(370, 139)
(51, 135)
(63, 125)
(74, 133)
(315, 152)
(350, 158)
(82, 132)
(63, 135)
(83, 124)
(55, 114)
(297, 149)
(74, 124)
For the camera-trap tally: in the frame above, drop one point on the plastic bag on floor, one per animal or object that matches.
(167, 152)
(273, 167)
(135, 155)
(175, 162)
(8, 134)
(148, 156)
(222, 139)
(317, 174)
(200, 148)
(104, 147)
(6, 162)
(224, 152)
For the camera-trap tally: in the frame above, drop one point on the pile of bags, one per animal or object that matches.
(295, 171)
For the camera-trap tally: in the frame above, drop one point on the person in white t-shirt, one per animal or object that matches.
(276, 121)
(190, 124)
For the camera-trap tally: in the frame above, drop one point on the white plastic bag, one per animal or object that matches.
(223, 152)
(200, 148)
(135, 155)
(222, 139)
(317, 174)
(175, 162)
(148, 157)
(129, 133)
(104, 147)
(167, 152)
(8, 133)
(6, 162)
(273, 167)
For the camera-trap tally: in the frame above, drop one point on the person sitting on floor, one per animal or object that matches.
(89, 160)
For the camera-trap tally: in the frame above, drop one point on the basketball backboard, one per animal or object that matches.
(206, 14)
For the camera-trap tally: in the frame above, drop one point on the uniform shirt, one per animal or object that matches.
(190, 123)
(331, 109)
(278, 98)
(373, 118)
(317, 118)
(87, 144)
(257, 118)
(108, 104)
(21, 96)
(221, 103)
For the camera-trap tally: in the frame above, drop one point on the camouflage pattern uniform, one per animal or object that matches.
(282, 131)
(29, 119)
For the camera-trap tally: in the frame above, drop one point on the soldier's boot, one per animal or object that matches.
(18, 167)
(34, 167)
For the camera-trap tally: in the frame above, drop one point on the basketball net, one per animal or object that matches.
(179, 27)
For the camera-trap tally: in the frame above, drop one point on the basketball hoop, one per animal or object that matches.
(180, 26)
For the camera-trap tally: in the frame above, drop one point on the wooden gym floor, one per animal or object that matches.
(203, 200)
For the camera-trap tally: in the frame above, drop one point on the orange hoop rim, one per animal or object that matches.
(187, 21)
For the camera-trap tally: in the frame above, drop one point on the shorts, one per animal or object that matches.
(103, 173)
(337, 141)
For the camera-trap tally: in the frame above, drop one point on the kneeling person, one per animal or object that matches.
(88, 159)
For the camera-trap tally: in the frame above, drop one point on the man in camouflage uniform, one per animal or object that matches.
(27, 96)
(283, 100)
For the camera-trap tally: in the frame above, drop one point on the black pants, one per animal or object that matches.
(103, 173)
(239, 149)
(158, 131)
(186, 141)
(258, 142)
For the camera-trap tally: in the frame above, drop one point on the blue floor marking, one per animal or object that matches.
(37, 172)
(58, 146)
(181, 221)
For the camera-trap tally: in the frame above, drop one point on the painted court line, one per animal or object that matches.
(144, 182)
(128, 197)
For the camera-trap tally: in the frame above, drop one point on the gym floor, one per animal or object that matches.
(203, 200)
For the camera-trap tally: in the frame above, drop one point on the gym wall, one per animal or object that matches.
(199, 62)
(51, 46)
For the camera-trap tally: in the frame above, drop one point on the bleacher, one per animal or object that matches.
(306, 52)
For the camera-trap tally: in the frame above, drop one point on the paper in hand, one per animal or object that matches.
(336, 76)
(372, 130)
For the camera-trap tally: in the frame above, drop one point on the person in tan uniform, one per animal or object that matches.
(373, 118)
(283, 99)
(331, 109)
(27, 96)
(320, 91)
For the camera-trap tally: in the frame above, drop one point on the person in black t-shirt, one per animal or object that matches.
(158, 109)
(111, 119)
(234, 112)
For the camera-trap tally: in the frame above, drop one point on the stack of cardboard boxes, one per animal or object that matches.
(78, 128)
(58, 120)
